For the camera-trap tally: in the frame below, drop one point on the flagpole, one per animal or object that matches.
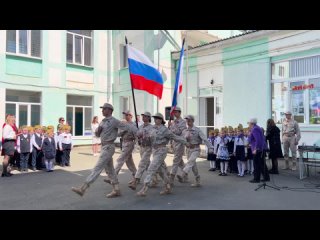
(134, 100)
(187, 71)
(158, 64)
(177, 82)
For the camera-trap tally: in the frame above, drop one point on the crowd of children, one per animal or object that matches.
(39, 148)
(232, 151)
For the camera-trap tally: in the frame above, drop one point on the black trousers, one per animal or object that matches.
(274, 164)
(66, 154)
(233, 164)
(59, 157)
(260, 166)
(36, 158)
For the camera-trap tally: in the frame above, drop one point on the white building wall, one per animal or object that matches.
(55, 46)
(293, 41)
(2, 90)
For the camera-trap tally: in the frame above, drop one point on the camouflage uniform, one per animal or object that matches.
(194, 137)
(128, 141)
(290, 138)
(160, 136)
(177, 128)
(145, 148)
(107, 131)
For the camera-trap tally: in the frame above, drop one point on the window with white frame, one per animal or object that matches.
(24, 42)
(124, 56)
(25, 105)
(79, 114)
(125, 103)
(79, 47)
(296, 86)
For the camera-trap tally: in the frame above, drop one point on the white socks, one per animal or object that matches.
(51, 165)
(47, 165)
(212, 164)
(224, 166)
(250, 165)
(241, 167)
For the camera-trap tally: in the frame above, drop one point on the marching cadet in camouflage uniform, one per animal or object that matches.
(290, 138)
(143, 135)
(160, 136)
(194, 137)
(177, 128)
(128, 141)
(107, 131)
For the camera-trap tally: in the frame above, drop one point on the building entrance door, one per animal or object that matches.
(210, 114)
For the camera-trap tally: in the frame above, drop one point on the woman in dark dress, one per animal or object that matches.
(273, 137)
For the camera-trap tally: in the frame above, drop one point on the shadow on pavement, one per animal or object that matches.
(42, 190)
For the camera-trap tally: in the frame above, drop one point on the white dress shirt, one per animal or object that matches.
(8, 132)
(33, 140)
(65, 138)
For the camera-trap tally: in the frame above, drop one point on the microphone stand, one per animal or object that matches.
(264, 184)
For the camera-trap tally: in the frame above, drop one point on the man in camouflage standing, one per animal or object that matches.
(290, 138)
(107, 131)
(177, 127)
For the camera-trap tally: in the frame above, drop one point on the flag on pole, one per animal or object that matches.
(143, 73)
(178, 84)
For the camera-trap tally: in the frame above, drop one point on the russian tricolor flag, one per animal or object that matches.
(144, 75)
(178, 84)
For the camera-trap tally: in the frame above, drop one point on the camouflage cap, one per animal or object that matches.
(159, 115)
(288, 112)
(107, 105)
(177, 109)
(191, 117)
(148, 114)
(127, 113)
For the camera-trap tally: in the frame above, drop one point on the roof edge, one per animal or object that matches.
(225, 41)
